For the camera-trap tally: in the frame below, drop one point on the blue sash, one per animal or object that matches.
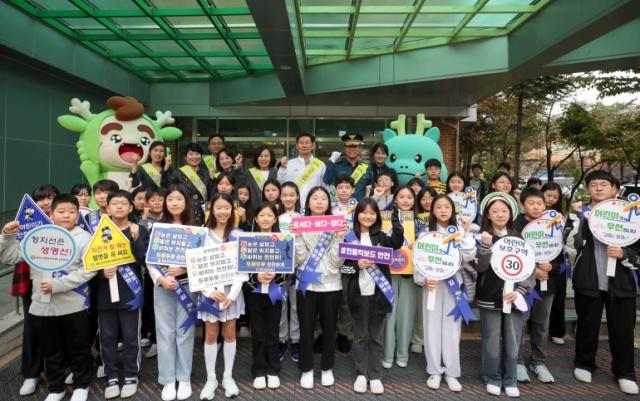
(462, 308)
(309, 275)
(82, 223)
(135, 286)
(185, 301)
(207, 305)
(565, 266)
(83, 289)
(532, 298)
(276, 292)
(376, 274)
(93, 219)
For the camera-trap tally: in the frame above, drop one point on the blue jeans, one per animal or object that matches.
(501, 334)
(175, 347)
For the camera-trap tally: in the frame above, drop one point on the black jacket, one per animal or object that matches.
(139, 250)
(489, 286)
(585, 272)
(351, 272)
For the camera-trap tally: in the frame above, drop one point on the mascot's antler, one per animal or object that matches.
(399, 125)
(165, 118)
(81, 108)
(422, 124)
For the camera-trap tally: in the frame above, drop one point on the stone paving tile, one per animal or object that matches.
(406, 384)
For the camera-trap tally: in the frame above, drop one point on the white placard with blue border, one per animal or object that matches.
(49, 248)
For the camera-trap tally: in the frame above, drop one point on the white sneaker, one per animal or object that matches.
(493, 389)
(542, 373)
(360, 385)
(306, 380)
(112, 389)
(244, 332)
(628, 386)
(169, 392)
(433, 382)
(582, 375)
(145, 342)
(120, 346)
(69, 378)
(521, 373)
(512, 392)
(99, 374)
(130, 387)
(416, 348)
(209, 389)
(557, 340)
(152, 351)
(401, 364)
(387, 365)
(326, 378)
(273, 382)
(376, 386)
(453, 384)
(184, 390)
(260, 383)
(29, 386)
(80, 394)
(55, 396)
(230, 387)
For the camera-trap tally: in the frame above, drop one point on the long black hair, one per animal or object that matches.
(261, 207)
(408, 188)
(554, 186)
(212, 223)
(290, 184)
(432, 219)
(360, 207)
(486, 223)
(459, 175)
(186, 217)
(307, 210)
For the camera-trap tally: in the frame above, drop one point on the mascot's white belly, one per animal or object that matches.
(121, 177)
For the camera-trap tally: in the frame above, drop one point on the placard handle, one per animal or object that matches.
(431, 298)
(113, 288)
(611, 266)
(508, 287)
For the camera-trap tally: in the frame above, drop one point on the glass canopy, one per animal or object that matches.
(203, 40)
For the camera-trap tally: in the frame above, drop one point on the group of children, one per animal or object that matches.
(73, 306)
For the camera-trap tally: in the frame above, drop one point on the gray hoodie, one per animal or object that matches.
(62, 300)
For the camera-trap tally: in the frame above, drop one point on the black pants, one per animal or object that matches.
(112, 323)
(310, 306)
(621, 320)
(148, 315)
(62, 336)
(245, 320)
(265, 324)
(368, 338)
(32, 356)
(557, 325)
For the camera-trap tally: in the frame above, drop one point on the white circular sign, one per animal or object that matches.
(49, 248)
(512, 259)
(285, 219)
(437, 255)
(466, 203)
(545, 235)
(616, 221)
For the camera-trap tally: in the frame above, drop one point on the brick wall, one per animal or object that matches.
(447, 144)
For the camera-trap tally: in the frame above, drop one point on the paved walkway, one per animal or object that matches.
(400, 384)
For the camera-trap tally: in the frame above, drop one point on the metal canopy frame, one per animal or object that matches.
(205, 40)
(107, 31)
(334, 41)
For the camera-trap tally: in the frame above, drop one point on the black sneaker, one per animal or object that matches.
(282, 349)
(343, 343)
(295, 352)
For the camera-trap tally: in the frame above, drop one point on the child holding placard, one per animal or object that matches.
(368, 304)
(265, 315)
(555, 200)
(399, 327)
(500, 332)
(122, 317)
(442, 331)
(175, 345)
(532, 201)
(321, 297)
(57, 311)
(289, 325)
(32, 358)
(595, 291)
(230, 301)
